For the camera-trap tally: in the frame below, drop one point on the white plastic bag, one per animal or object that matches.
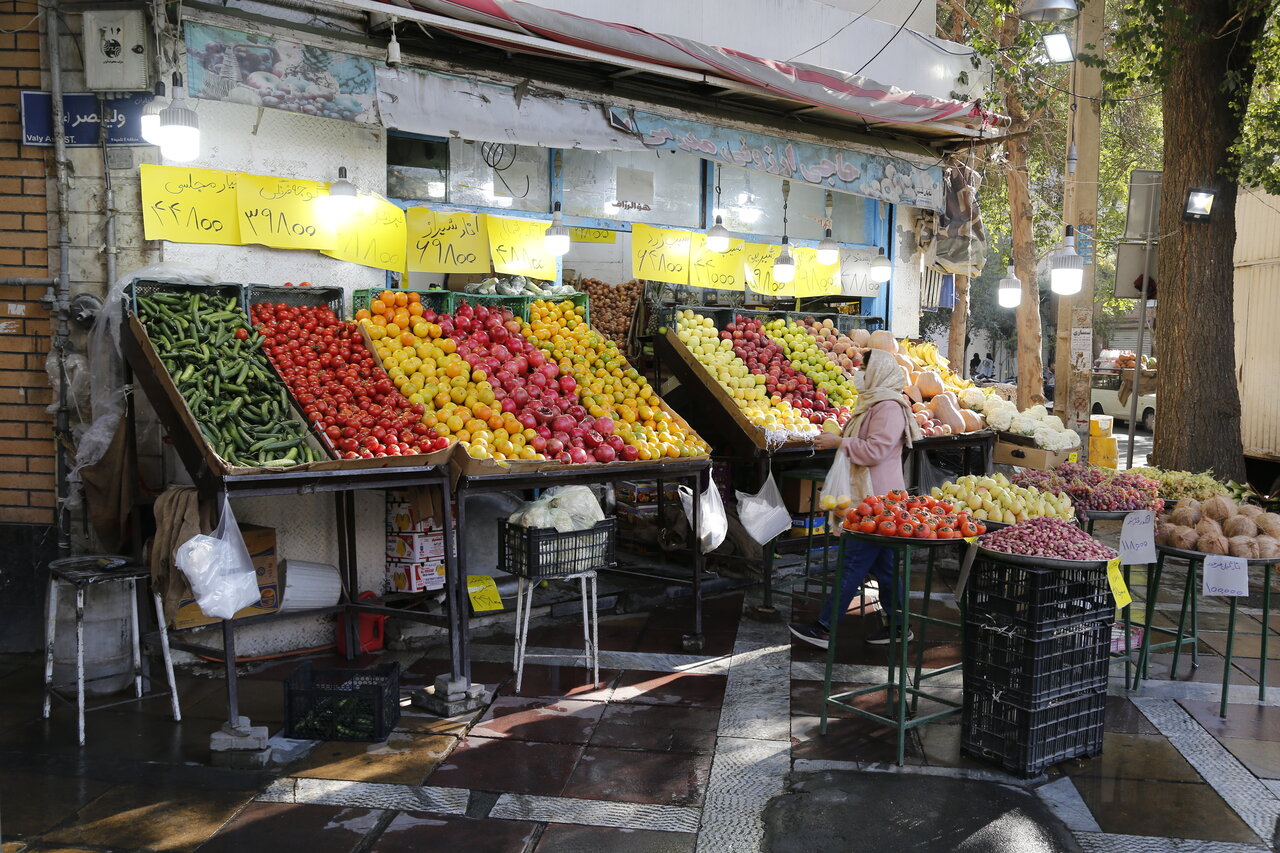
(219, 568)
(713, 522)
(763, 515)
(837, 490)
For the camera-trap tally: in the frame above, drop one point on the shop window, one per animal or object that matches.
(417, 168)
(494, 174)
(662, 188)
(751, 202)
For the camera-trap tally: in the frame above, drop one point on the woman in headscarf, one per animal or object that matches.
(881, 426)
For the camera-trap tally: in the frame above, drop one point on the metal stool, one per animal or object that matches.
(83, 572)
(590, 621)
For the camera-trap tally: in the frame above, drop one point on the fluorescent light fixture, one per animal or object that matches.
(1047, 11)
(784, 266)
(151, 116)
(1199, 207)
(828, 251)
(1057, 46)
(557, 235)
(1066, 267)
(718, 237)
(342, 201)
(1009, 293)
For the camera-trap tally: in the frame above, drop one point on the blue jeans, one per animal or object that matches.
(862, 559)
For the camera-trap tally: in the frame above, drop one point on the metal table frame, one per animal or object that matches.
(896, 689)
(695, 471)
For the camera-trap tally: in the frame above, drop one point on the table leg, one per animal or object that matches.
(229, 665)
(1153, 587)
(1266, 629)
(80, 662)
(766, 568)
(168, 659)
(1188, 590)
(1226, 667)
(1195, 619)
(924, 626)
(694, 642)
(595, 633)
(808, 545)
(344, 506)
(904, 631)
(50, 631)
(1128, 634)
(831, 637)
(136, 637)
(455, 598)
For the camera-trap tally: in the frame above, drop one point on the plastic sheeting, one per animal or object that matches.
(842, 91)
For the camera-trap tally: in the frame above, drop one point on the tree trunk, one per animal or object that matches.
(1199, 421)
(1030, 370)
(959, 332)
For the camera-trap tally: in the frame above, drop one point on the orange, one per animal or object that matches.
(378, 306)
(388, 296)
(449, 345)
(363, 314)
(415, 297)
(402, 299)
(415, 308)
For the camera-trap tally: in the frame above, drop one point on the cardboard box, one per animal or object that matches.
(1100, 426)
(414, 511)
(261, 543)
(801, 525)
(1008, 453)
(417, 547)
(1104, 452)
(637, 492)
(796, 495)
(633, 516)
(410, 576)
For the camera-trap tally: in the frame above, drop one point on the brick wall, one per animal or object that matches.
(26, 431)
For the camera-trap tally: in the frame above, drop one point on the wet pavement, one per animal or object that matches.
(669, 751)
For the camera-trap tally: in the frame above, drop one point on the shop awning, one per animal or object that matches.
(527, 28)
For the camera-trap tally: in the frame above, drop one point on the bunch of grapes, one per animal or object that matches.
(1097, 489)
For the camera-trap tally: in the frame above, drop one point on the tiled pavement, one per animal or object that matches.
(669, 752)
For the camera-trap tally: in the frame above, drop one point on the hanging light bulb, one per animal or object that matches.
(393, 46)
(179, 129)
(784, 266)
(557, 236)
(1073, 159)
(828, 249)
(1009, 294)
(342, 200)
(1066, 268)
(151, 116)
(881, 268)
(718, 236)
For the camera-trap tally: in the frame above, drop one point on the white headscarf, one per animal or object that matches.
(881, 379)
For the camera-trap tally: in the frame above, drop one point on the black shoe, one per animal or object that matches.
(883, 637)
(812, 633)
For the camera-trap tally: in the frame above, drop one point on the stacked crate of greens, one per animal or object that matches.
(217, 365)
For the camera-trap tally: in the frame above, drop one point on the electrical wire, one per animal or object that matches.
(896, 33)
(860, 16)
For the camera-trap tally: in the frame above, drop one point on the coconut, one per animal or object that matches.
(1214, 543)
(1218, 508)
(1243, 546)
(1184, 538)
(1240, 525)
(1208, 527)
(1268, 523)
(1186, 516)
(1250, 510)
(1268, 547)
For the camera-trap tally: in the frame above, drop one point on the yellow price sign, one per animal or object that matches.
(718, 270)
(759, 269)
(660, 254)
(1073, 457)
(189, 205)
(1119, 590)
(518, 247)
(592, 235)
(972, 540)
(374, 236)
(283, 213)
(813, 278)
(483, 593)
(447, 242)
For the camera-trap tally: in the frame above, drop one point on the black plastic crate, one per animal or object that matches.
(1025, 742)
(147, 286)
(543, 552)
(278, 294)
(342, 704)
(1034, 672)
(1037, 601)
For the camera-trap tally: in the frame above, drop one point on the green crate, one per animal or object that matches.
(518, 305)
(436, 300)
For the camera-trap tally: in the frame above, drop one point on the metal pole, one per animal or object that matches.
(1142, 326)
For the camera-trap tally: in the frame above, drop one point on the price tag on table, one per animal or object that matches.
(1119, 590)
(1073, 457)
(1225, 575)
(483, 592)
(1138, 538)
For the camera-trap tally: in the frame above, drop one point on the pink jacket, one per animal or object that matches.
(878, 446)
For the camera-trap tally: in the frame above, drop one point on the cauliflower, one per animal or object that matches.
(1024, 424)
(1048, 438)
(1001, 417)
(1037, 412)
(973, 398)
(1055, 422)
(1072, 439)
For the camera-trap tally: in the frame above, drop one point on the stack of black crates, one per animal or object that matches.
(1037, 645)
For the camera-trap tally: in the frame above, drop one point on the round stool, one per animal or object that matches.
(81, 573)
